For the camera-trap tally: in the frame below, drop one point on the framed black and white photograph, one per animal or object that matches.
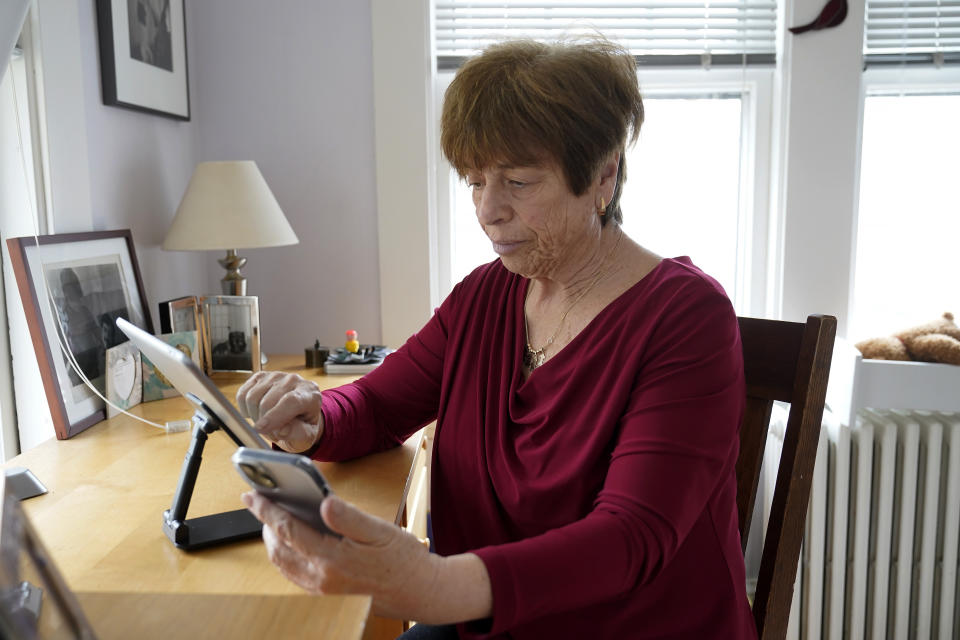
(231, 326)
(143, 56)
(73, 288)
(180, 314)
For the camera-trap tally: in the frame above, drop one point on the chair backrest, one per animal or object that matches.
(788, 362)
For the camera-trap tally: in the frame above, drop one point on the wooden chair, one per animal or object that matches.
(789, 362)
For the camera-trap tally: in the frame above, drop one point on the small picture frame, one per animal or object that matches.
(231, 326)
(124, 378)
(180, 314)
(155, 385)
(143, 56)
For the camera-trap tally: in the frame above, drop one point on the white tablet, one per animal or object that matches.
(186, 377)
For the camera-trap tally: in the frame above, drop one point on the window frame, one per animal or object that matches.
(31, 422)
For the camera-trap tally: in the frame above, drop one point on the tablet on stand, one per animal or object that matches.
(213, 412)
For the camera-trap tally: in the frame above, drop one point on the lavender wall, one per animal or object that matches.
(288, 85)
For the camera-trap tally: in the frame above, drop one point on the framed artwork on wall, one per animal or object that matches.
(73, 287)
(143, 56)
(231, 326)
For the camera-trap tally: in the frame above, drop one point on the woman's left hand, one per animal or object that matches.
(372, 556)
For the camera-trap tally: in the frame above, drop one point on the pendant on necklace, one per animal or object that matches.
(533, 359)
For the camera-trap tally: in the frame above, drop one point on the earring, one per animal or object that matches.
(603, 207)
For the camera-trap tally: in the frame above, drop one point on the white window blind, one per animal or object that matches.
(657, 32)
(912, 31)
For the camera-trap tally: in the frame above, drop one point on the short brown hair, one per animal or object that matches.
(522, 102)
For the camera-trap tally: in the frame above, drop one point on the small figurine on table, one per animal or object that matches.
(352, 345)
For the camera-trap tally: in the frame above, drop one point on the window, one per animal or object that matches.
(22, 401)
(905, 268)
(909, 209)
(707, 95)
(16, 191)
(901, 32)
(661, 32)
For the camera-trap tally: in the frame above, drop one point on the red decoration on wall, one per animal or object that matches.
(832, 14)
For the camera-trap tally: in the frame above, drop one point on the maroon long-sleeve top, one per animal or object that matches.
(600, 492)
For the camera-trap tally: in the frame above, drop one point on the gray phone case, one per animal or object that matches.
(288, 479)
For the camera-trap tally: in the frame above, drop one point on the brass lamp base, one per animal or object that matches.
(233, 284)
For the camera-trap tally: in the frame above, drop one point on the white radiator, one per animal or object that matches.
(880, 553)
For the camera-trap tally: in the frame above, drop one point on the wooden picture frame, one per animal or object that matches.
(143, 56)
(231, 334)
(180, 314)
(73, 287)
(183, 314)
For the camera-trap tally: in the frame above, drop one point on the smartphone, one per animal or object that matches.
(288, 479)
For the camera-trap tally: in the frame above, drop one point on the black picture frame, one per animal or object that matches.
(143, 56)
(73, 287)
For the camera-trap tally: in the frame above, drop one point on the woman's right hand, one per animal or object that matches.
(285, 408)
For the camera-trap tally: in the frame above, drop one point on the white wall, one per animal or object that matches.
(820, 149)
(289, 85)
(406, 150)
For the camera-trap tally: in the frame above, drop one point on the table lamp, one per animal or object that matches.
(228, 205)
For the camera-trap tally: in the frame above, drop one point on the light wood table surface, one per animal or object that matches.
(108, 487)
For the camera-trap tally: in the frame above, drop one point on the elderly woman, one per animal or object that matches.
(587, 394)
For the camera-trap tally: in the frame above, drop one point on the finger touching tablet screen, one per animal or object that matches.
(187, 378)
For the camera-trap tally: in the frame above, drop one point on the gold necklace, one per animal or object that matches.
(533, 358)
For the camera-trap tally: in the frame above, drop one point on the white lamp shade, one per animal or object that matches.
(228, 205)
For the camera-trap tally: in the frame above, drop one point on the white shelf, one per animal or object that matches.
(856, 383)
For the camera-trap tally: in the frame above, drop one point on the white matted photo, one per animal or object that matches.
(124, 378)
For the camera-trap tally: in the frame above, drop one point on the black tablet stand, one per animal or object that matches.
(204, 531)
